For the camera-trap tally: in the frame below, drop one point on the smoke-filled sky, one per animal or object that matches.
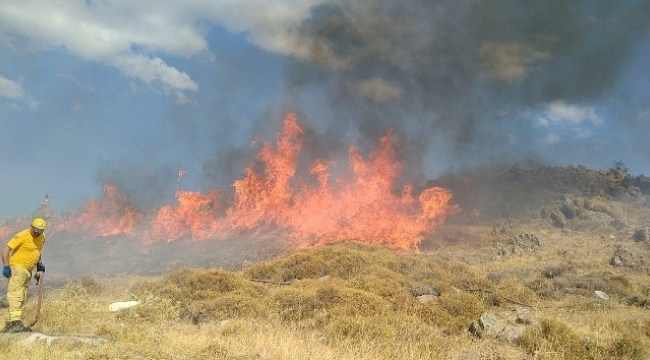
(131, 92)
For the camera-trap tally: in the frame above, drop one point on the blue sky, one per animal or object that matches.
(132, 91)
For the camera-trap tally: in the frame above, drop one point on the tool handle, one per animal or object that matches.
(41, 289)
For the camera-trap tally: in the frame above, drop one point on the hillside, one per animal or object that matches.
(570, 198)
(541, 263)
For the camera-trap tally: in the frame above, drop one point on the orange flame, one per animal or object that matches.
(196, 214)
(110, 215)
(361, 205)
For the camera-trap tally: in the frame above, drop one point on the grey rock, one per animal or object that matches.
(484, 325)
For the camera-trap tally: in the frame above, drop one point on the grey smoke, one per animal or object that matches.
(443, 73)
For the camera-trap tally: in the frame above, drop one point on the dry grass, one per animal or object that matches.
(353, 301)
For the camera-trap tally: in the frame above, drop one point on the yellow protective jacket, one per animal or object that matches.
(26, 249)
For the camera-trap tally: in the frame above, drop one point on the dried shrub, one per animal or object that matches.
(198, 284)
(355, 302)
(410, 328)
(261, 271)
(621, 348)
(463, 308)
(598, 204)
(294, 304)
(431, 313)
(419, 289)
(344, 264)
(551, 272)
(198, 295)
(233, 305)
(496, 276)
(628, 347)
(552, 335)
(516, 291)
(72, 308)
(539, 285)
(355, 328)
(385, 283)
(301, 266)
(233, 328)
(214, 351)
(153, 310)
(586, 284)
(344, 261)
(327, 294)
(340, 311)
(91, 285)
(407, 264)
(462, 276)
(452, 312)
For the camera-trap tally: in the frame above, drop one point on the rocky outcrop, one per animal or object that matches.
(641, 235)
(626, 258)
(519, 245)
(507, 327)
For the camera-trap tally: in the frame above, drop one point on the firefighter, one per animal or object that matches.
(19, 257)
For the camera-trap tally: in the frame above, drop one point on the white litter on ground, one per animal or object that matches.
(120, 305)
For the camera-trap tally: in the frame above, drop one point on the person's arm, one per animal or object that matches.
(5, 255)
(6, 270)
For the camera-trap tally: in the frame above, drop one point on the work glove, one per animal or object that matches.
(40, 269)
(6, 271)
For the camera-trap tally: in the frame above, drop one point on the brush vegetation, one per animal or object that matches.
(354, 301)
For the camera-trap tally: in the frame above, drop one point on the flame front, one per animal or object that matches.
(195, 215)
(111, 215)
(361, 205)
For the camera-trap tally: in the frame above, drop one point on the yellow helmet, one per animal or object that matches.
(38, 225)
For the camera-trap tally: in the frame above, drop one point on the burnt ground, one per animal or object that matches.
(67, 257)
(70, 257)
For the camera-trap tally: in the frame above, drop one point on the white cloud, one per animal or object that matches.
(154, 72)
(103, 29)
(10, 89)
(182, 99)
(560, 112)
(124, 33)
(269, 24)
